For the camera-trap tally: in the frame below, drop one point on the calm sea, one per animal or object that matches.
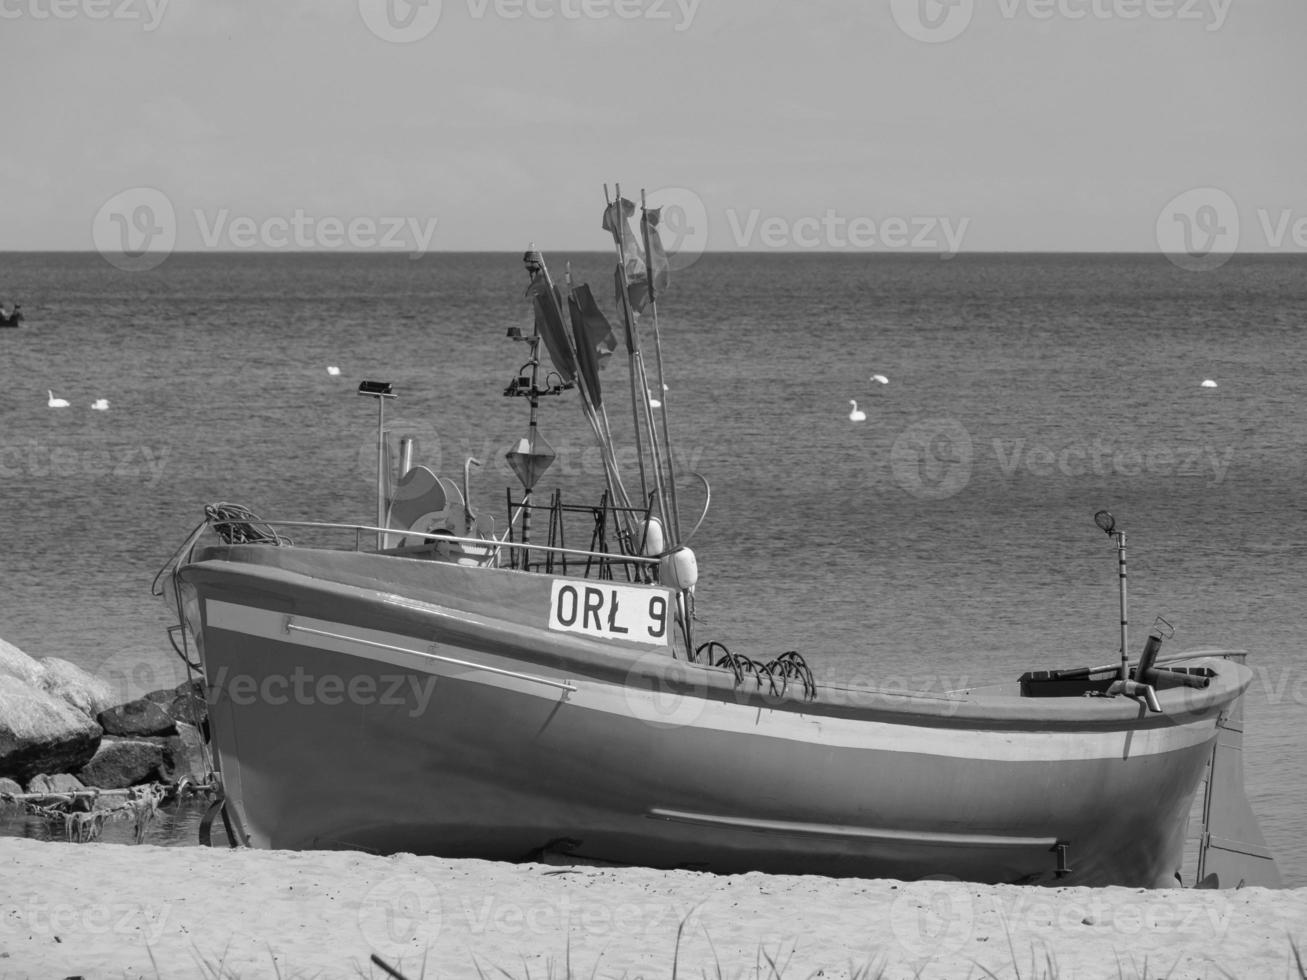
(946, 540)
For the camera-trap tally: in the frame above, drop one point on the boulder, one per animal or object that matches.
(83, 690)
(183, 754)
(136, 718)
(123, 762)
(9, 807)
(162, 696)
(189, 708)
(15, 663)
(62, 783)
(40, 732)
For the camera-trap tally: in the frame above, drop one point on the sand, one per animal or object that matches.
(112, 910)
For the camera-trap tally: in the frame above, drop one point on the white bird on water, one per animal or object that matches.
(100, 405)
(56, 402)
(857, 415)
(333, 370)
(1208, 383)
(879, 378)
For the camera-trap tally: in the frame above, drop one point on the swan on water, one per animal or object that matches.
(56, 402)
(879, 378)
(857, 415)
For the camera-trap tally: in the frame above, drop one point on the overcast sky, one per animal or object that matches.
(483, 124)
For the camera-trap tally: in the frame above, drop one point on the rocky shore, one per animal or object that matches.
(61, 732)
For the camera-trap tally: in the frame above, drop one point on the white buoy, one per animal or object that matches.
(654, 402)
(100, 405)
(857, 415)
(879, 379)
(333, 370)
(56, 402)
(1209, 383)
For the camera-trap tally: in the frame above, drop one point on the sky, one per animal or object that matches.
(883, 125)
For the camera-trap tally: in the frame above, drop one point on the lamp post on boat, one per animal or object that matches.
(1108, 524)
(380, 390)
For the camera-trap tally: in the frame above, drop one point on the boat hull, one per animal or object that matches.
(383, 704)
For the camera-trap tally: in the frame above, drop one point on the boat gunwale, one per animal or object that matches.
(579, 657)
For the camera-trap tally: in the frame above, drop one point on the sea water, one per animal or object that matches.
(948, 540)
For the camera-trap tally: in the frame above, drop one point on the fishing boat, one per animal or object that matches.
(434, 685)
(13, 318)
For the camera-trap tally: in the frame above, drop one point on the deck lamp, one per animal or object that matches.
(1108, 524)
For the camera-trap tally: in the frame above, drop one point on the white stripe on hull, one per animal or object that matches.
(953, 738)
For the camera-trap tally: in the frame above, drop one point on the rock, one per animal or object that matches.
(9, 807)
(189, 709)
(162, 696)
(83, 690)
(123, 762)
(15, 663)
(183, 754)
(40, 732)
(139, 717)
(62, 783)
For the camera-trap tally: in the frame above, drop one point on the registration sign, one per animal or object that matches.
(610, 612)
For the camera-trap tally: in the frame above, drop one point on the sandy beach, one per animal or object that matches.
(108, 910)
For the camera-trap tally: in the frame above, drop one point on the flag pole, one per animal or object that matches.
(631, 347)
(640, 378)
(658, 363)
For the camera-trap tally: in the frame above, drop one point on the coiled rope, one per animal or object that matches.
(240, 525)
